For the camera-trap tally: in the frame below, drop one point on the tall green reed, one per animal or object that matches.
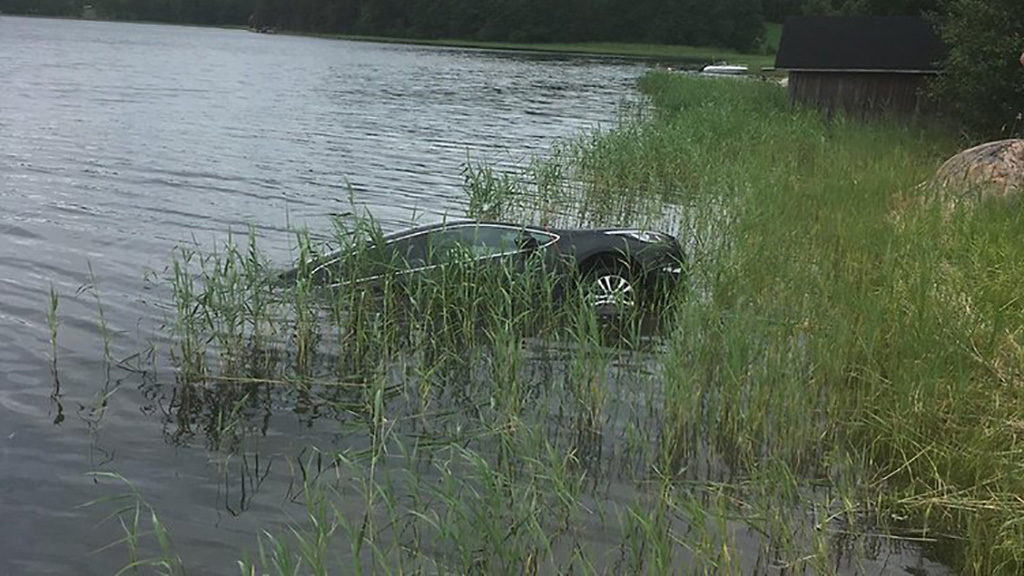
(828, 334)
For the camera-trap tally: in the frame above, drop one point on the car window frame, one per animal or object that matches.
(551, 236)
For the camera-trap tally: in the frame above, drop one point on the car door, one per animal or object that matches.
(501, 244)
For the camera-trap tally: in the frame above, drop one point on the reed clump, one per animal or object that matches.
(839, 344)
(827, 381)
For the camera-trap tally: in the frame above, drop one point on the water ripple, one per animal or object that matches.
(117, 142)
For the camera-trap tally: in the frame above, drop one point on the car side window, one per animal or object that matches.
(472, 241)
(409, 252)
(541, 238)
(476, 241)
(443, 245)
(484, 241)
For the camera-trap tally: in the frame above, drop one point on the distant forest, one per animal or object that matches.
(737, 24)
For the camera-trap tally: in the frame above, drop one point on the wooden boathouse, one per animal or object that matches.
(862, 65)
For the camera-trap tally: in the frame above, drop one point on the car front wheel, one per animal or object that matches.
(610, 289)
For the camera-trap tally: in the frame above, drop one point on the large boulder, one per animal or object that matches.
(994, 169)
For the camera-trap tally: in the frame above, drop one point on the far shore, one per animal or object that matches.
(665, 53)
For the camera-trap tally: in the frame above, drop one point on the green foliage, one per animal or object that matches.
(847, 359)
(735, 24)
(489, 191)
(982, 85)
(42, 7)
(869, 7)
(778, 10)
(151, 548)
(848, 310)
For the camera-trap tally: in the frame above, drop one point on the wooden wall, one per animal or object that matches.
(859, 93)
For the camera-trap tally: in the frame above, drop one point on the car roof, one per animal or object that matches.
(415, 230)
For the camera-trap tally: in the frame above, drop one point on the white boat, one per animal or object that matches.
(723, 69)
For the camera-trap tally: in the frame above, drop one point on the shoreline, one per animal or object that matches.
(642, 52)
(630, 51)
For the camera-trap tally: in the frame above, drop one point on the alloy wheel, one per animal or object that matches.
(610, 289)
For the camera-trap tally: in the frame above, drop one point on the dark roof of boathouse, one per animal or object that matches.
(905, 44)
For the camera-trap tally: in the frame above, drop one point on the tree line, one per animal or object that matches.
(733, 23)
(737, 24)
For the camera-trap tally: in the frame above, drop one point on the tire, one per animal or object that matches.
(610, 289)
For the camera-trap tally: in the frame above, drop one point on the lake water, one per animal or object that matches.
(119, 142)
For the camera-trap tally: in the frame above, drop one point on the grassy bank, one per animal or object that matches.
(838, 377)
(852, 326)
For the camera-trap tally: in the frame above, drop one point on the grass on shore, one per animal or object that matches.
(844, 360)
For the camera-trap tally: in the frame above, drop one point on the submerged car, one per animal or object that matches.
(615, 267)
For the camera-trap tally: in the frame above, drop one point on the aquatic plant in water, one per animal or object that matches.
(828, 383)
